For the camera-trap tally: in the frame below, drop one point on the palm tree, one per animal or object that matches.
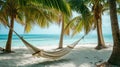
(67, 26)
(9, 10)
(63, 12)
(63, 20)
(72, 24)
(115, 56)
(97, 13)
(94, 18)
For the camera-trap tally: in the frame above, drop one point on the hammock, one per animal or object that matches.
(51, 54)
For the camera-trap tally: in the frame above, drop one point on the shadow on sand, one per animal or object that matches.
(48, 63)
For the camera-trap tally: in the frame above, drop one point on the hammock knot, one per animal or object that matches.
(36, 53)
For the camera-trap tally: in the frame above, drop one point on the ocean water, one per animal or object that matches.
(51, 39)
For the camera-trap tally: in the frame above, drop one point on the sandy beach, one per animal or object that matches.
(83, 55)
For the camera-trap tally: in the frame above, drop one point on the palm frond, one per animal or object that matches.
(60, 5)
(70, 24)
(77, 28)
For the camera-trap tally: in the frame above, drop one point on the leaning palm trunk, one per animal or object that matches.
(61, 35)
(115, 57)
(97, 8)
(101, 43)
(9, 41)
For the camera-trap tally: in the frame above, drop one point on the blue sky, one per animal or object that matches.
(55, 29)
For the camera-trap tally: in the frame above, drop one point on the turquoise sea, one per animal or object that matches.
(51, 39)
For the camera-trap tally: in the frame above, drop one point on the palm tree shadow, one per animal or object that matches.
(55, 62)
(48, 63)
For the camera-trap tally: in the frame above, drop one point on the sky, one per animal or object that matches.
(55, 29)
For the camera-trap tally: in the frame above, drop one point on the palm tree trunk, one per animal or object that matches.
(101, 43)
(98, 19)
(115, 56)
(61, 35)
(9, 41)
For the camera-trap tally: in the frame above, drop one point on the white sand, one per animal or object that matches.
(82, 56)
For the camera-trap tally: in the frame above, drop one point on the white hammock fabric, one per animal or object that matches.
(54, 54)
